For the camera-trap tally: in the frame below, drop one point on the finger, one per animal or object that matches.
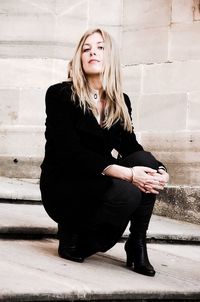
(162, 171)
(155, 187)
(155, 192)
(152, 183)
(142, 189)
(149, 170)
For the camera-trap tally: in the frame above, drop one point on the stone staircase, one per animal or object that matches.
(32, 271)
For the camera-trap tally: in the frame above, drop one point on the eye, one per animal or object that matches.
(86, 49)
(101, 47)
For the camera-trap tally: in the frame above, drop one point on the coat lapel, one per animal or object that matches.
(88, 123)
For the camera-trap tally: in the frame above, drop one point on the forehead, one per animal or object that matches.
(94, 38)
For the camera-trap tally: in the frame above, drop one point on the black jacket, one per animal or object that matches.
(75, 143)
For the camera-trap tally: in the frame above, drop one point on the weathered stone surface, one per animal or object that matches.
(9, 106)
(144, 45)
(182, 173)
(27, 27)
(196, 10)
(182, 11)
(25, 72)
(20, 167)
(179, 151)
(32, 107)
(193, 122)
(37, 73)
(38, 274)
(146, 14)
(180, 202)
(184, 42)
(101, 8)
(132, 77)
(158, 112)
(159, 44)
(30, 141)
(173, 77)
(29, 50)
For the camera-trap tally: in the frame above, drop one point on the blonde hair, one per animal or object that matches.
(116, 108)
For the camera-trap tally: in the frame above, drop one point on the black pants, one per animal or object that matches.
(121, 203)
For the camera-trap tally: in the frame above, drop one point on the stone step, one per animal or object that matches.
(32, 221)
(177, 202)
(19, 190)
(32, 271)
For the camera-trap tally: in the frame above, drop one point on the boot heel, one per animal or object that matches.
(129, 261)
(136, 252)
(129, 258)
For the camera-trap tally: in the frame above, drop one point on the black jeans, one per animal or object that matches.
(121, 203)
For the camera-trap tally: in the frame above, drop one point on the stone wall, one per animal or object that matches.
(160, 50)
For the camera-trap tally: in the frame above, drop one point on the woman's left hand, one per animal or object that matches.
(162, 178)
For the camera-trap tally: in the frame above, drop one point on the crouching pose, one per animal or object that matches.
(95, 177)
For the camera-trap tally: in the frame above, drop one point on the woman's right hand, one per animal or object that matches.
(146, 179)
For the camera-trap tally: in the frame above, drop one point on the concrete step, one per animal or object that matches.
(32, 271)
(177, 202)
(23, 216)
(19, 190)
(32, 221)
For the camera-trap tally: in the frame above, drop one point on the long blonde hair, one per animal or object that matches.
(116, 108)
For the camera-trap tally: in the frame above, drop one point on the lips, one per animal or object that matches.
(93, 61)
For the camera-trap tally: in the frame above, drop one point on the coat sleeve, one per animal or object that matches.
(63, 146)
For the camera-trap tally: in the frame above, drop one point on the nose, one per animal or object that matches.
(92, 52)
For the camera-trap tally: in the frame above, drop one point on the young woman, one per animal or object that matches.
(95, 176)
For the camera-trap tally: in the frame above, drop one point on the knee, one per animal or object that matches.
(143, 158)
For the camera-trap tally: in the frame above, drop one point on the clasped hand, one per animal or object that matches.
(149, 180)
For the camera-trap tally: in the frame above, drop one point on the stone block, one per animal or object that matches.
(184, 42)
(22, 141)
(132, 77)
(146, 13)
(196, 10)
(174, 142)
(184, 173)
(179, 202)
(176, 77)
(60, 69)
(9, 106)
(110, 12)
(32, 107)
(20, 166)
(26, 27)
(144, 45)
(28, 50)
(179, 151)
(27, 7)
(24, 73)
(182, 11)
(159, 112)
(193, 122)
(71, 23)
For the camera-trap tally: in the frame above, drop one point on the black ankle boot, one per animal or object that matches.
(69, 247)
(136, 251)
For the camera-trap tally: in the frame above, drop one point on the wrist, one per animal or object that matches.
(132, 174)
(162, 168)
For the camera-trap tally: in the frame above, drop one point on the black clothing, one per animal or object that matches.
(74, 192)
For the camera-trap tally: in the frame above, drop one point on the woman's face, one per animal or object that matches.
(93, 54)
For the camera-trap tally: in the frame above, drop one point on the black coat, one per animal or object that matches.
(77, 149)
